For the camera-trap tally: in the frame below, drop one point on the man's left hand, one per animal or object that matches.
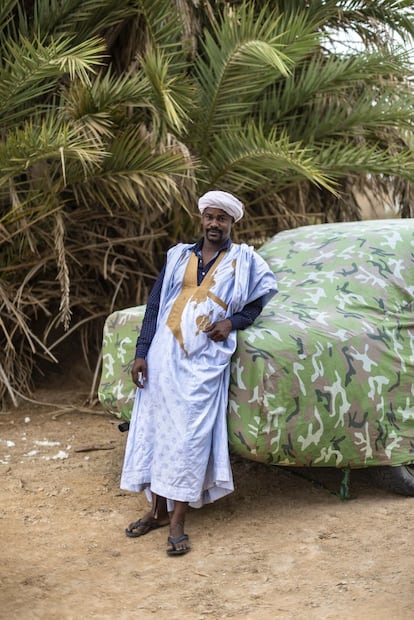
(219, 331)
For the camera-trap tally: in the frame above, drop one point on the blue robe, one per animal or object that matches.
(177, 442)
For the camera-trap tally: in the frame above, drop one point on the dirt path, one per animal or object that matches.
(280, 547)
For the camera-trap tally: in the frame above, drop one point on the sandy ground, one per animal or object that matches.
(280, 547)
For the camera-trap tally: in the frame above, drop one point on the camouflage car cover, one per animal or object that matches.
(116, 390)
(324, 377)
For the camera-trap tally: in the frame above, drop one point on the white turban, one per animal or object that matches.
(222, 200)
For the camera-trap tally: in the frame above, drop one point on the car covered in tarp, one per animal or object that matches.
(324, 377)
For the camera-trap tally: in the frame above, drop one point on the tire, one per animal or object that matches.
(399, 479)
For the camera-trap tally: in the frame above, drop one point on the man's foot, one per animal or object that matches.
(145, 525)
(179, 545)
(177, 539)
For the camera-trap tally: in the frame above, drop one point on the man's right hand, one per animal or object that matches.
(139, 372)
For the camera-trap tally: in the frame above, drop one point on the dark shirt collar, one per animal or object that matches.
(198, 246)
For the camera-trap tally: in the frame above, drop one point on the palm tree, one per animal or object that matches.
(116, 115)
(81, 171)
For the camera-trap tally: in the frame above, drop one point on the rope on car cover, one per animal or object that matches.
(343, 493)
(344, 488)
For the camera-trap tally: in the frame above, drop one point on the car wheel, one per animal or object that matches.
(399, 479)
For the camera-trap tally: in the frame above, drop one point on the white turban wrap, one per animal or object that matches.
(222, 200)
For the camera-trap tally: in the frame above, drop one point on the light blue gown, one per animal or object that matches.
(177, 442)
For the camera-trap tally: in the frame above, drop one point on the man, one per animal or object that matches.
(177, 448)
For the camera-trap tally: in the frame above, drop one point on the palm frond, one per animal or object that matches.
(364, 120)
(111, 102)
(164, 31)
(30, 70)
(136, 174)
(46, 139)
(340, 161)
(82, 18)
(7, 9)
(171, 96)
(246, 158)
(322, 81)
(374, 22)
(240, 45)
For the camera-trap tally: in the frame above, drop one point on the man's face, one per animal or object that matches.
(216, 225)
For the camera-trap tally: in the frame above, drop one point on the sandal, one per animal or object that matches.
(174, 541)
(145, 525)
